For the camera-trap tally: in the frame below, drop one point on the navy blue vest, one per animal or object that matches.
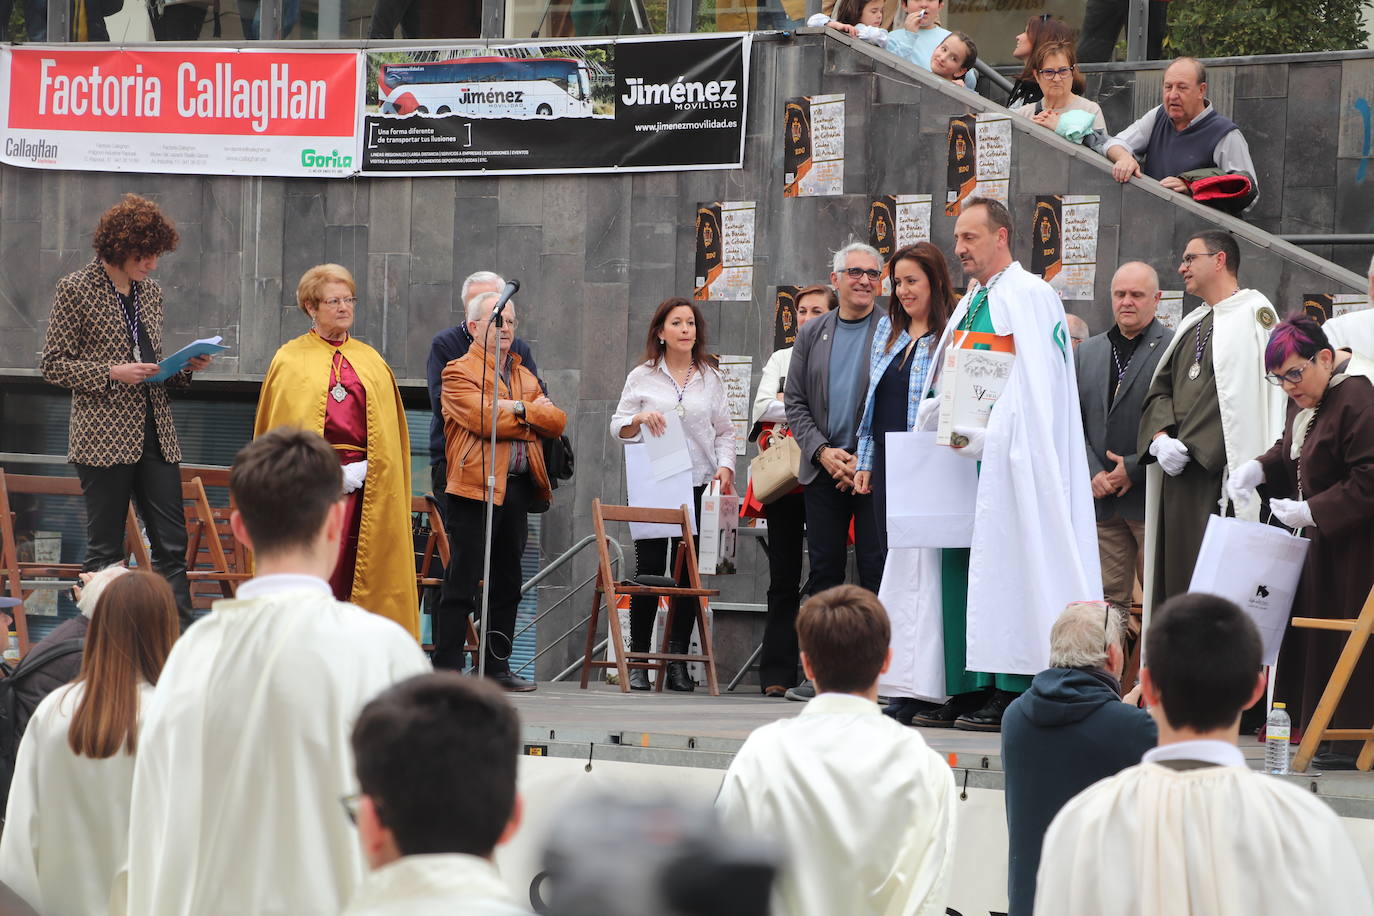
(1173, 152)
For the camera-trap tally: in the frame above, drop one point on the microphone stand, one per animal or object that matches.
(498, 321)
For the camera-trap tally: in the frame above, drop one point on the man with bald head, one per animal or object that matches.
(1183, 135)
(1078, 330)
(1114, 372)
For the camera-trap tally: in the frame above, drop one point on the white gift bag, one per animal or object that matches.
(719, 527)
(1255, 565)
(939, 511)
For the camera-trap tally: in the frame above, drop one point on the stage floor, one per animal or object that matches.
(698, 730)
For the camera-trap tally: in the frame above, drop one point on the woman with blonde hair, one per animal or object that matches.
(328, 381)
(67, 822)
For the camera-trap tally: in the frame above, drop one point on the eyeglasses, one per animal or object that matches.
(350, 805)
(336, 302)
(1189, 258)
(1044, 17)
(855, 273)
(1059, 73)
(1292, 376)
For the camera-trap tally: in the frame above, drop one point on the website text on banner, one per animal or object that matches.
(176, 110)
(643, 104)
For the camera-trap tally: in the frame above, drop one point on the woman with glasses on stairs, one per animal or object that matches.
(1060, 108)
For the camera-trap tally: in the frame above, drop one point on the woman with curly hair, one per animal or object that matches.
(104, 341)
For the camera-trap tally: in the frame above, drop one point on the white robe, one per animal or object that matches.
(67, 824)
(864, 809)
(1353, 331)
(1152, 841)
(245, 755)
(1035, 533)
(435, 885)
(1252, 410)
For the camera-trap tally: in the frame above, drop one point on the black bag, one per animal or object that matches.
(21, 690)
(558, 464)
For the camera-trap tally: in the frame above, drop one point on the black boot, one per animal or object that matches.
(640, 636)
(639, 679)
(677, 671)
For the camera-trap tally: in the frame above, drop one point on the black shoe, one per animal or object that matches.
(678, 678)
(944, 716)
(639, 679)
(802, 694)
(1334, 760)
(989, 718)
(903, 708)
(512, 682)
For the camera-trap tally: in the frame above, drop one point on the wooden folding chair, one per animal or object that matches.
(206, 559)
(14, 571)
(436, 543)
(609, 590)
(1317, 731)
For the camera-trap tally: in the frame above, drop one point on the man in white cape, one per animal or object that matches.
(243, 755)
(1208, 411)
(865, 810)
(1354, 330)
(1191, 830)
(974, 624)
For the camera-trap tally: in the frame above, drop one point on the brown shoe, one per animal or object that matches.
(775, 690)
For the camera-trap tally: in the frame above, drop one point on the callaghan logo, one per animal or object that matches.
(682, 95)
(19, 148)
(330, 160)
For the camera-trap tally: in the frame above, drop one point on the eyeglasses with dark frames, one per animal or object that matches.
(1188, 259)
(855, 273)
(1292, 376)
(350, 806)
(1058, 73)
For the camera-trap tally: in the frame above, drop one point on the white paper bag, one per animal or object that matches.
(938, 512)
(719, 528)
(1255, 565)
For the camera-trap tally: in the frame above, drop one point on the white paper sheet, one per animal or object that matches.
(940, 512)
(668, 453)
(646, 492)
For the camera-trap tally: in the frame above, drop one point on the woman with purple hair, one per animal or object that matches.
(1319, 478)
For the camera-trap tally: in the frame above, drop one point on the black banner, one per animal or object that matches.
(785, 317)
(1047, 251)
(961, 171)
(641, 104)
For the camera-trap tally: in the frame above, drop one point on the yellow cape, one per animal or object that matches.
(293, 394)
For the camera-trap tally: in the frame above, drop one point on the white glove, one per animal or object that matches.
(353, 475)
(1240, 486)
(1292, 512)
(926, 412)
(977, 438)
(1171, 454)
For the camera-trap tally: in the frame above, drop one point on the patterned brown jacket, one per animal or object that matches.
(87, 334)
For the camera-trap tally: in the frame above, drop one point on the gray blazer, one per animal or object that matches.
(1116, 429)
(807, 394)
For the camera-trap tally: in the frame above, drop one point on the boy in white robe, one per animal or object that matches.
(864, 809)
(1192, 831)
(436, 760)
(244, 752)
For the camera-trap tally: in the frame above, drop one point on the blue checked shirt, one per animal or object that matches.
(878, 359)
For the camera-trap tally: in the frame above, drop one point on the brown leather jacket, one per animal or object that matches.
(467, 425)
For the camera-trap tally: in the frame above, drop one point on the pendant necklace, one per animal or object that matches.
(1121, 370)
(1200, 344)
(681, 389)
(337, 392)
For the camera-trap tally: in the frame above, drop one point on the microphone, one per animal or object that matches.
(512, 287)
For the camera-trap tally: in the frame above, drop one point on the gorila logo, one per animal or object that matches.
(681, 95)
(331, 160)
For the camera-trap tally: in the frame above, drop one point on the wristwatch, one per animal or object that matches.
(816, 455)
(519, 409)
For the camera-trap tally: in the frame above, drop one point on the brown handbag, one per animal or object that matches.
(775, 471)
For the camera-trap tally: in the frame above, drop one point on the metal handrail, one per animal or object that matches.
(617, 562)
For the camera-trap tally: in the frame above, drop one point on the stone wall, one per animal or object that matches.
(597, 253)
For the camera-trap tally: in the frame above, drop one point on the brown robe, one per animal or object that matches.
(1338, 477)
(1188, 410)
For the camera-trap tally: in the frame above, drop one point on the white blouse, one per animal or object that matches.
(707, 424)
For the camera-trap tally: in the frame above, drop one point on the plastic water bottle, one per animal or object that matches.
(1276, 731)
(12, 648)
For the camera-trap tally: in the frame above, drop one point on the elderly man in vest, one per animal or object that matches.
(1187, 145)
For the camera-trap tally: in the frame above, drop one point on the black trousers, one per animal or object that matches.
(653, 557)
(1103, 21)
(155, 486)
(466, 524)
(786, 531)
(828, 513)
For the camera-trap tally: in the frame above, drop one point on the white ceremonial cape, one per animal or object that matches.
(67, 825)
(1217, 841)
(1252, 410)
(445, 884)
(1352, 331)
(865, 810)
(245, 754)
(1035, 532)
